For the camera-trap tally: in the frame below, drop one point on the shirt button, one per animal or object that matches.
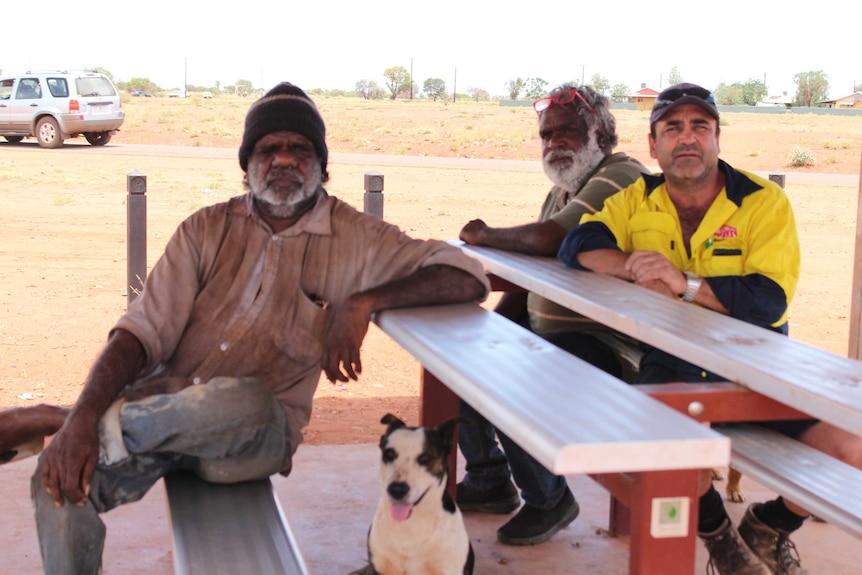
(223, 346)
(196, 381)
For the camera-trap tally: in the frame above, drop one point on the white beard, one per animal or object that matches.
(572, 175)
(283, 202)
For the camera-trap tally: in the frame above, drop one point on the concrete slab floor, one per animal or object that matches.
(329, 501)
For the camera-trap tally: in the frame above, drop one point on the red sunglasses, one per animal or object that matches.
(560, 98)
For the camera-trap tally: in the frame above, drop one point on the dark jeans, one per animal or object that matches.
(489, 466)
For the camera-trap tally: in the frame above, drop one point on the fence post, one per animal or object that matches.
(855, 348)
(136, 234)
(778, 178)
(374, 193)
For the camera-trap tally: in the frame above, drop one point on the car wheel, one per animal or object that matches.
(14, 139)
(98, 138)
(48, 133)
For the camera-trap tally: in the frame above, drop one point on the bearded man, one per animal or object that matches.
(213, 368)
(578, 136)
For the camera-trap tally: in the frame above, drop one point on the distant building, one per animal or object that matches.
(644, 98)
(782, 101)
(852, 101)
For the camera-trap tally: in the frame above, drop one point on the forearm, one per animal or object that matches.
(118, 365)
(705, 297)
(436, 284)
(432, 285)
(606, 261)
(540, 239)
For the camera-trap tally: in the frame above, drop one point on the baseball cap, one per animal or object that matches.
(679, 94)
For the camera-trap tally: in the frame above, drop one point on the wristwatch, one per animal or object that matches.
(692, 284)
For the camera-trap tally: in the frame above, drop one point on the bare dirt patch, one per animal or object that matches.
(62, 248)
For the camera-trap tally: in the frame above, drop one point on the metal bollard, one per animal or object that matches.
(778, 178)
(136, 234)
(374, 193)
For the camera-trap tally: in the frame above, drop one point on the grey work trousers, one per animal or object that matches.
(227, 430)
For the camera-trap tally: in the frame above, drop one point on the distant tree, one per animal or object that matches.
(217, 85)
(728, 95)
(363, 88)
(514, 87)
(369, 90)
(478, 93)
(811, 87)
(243, 87)
(434, 88)
(619, 93)
(675, 77)
(600, 84)
(753, 91)
(856, 88)
(535, 88)
(141, 84)
(398, 78)
(409, 90)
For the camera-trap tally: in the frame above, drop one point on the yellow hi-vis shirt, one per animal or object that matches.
(746, 247)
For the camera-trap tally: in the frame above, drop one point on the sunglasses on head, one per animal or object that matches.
(668, 97)
(560, 98)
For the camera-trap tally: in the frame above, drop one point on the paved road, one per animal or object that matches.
(849, 180)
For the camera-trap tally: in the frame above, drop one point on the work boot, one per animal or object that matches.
(501, 499)
(532, 525)
(774, 547)
(728, 553)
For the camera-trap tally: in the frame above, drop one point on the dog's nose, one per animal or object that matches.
(398, 490)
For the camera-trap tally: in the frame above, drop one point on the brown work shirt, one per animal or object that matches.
(230, 298)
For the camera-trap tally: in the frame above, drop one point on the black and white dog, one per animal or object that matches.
(417, 529)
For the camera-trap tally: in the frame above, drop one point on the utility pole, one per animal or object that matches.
(455, 85)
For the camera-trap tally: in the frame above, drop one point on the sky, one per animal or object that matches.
(331, 44)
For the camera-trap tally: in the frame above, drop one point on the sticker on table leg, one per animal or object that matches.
(669, 517)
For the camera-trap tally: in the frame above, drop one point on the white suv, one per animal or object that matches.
(53, 106)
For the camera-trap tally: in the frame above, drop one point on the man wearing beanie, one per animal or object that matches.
(214, 366)
(724, 239)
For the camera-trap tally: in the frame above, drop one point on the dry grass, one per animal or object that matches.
(482, 130)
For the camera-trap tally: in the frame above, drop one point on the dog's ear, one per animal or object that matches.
(392, 421)
(446, 432)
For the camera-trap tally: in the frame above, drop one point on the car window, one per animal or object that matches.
(29, 89)
(58, 87)
(6, 89)
(94, 86)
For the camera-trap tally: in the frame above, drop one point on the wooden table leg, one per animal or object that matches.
(438, 403)
(663, 532)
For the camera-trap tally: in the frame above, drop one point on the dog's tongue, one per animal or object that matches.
(401, 511)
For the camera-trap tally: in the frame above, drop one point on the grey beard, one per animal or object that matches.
(299, 199)
(583, 162)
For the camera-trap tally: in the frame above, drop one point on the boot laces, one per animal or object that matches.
(788, 556)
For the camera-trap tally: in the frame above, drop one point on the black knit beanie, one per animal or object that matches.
(284, 108)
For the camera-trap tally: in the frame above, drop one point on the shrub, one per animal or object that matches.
(801, 157)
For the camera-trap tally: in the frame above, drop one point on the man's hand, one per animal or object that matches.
(472, 232)
(70, 459)
(343, 338)
(648, 267)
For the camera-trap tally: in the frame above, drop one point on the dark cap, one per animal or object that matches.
(284, 108)
(679, 94)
